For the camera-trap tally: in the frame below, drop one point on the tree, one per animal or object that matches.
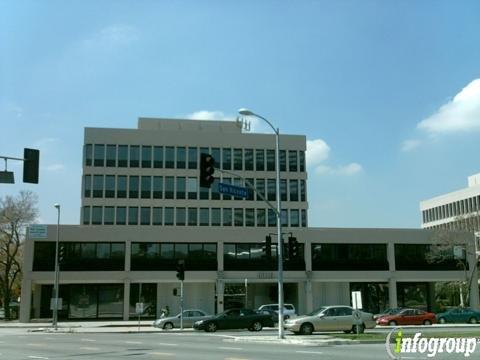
(450, 248)
(16, 213)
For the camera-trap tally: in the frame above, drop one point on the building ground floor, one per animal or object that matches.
(118, 300)
(106, 271)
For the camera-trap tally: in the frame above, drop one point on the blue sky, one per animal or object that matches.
(385, 91)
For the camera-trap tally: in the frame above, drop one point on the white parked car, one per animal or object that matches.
(190, 316)
(331, 318)
(288, 309)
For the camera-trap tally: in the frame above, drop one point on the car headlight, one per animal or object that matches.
(199, 322)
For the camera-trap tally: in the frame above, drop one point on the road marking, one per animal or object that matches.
(37, 357)
(167, 344)
(162, 354)
(231, 358)
(91, 340)
(36, 344)
(133, 342)
(229, 348)
(309, 352)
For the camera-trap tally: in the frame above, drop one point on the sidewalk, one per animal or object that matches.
(91, 327)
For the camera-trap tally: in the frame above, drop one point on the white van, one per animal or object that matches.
(288, 309)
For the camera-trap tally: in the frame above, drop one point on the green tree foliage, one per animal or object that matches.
(16, 213)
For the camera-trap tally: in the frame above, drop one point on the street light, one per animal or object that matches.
(57, 271)
(246, 112)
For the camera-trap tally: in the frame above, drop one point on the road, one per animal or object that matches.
(22, 345)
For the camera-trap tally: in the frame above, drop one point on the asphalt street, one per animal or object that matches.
(21, 344)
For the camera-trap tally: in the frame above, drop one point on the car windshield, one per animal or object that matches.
(317, 311)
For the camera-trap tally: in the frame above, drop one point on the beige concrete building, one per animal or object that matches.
(142, 211)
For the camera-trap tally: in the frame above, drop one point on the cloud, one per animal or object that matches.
(345, 170)
(410, 144)
(209, 115)
(461, 114)
(317, 151)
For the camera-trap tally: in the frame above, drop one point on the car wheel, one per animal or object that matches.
(306, 329)
(442, 320)
(392, 323)
(168, 326)
(361, 329)
(473, 320)
(211, 327)
(257, 326)
(427, 322)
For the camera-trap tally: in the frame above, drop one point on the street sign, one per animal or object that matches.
(53, 302)
(139, 308)
(238, 191)
(357, 300)
(37, 231)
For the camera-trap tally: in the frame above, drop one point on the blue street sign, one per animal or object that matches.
(233, 190)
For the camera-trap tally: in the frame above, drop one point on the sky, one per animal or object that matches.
(387, 92)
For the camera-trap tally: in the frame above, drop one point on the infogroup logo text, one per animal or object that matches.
(429, 346)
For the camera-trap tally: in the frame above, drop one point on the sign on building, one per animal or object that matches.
(37, 231)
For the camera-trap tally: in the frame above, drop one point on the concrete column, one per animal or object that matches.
(126, 299)
(128, 253)
(391, 256)
(26, 301)
(220, 255)
(308, 296)
(307, 252)
(392, 292)
(220, 290)
(37, 300)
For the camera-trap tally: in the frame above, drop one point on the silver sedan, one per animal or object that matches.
(331, 318)
(190, 316)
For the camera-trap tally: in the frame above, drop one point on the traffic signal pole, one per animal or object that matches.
(181, 305)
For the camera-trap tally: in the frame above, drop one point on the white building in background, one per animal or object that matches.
(458, 210)
(143, 210)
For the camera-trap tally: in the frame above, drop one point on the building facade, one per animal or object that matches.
(142, 211)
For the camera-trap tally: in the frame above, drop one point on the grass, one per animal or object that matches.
(382, 336)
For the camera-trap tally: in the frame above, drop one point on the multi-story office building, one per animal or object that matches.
(143, 210)
(456, 210)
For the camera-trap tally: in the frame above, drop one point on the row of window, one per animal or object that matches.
(181, 216)
(181, 157)
(78, 256)
(457, 208)
(181, 187)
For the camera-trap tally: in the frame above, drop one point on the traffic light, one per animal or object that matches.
(181, 270)
(175, 292)
(207, 163)
(61, 254)
(292, 247)
(31, 159)
(268, 246)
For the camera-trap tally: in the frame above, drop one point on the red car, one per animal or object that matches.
(408, 317)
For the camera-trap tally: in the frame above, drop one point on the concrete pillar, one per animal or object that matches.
(37, 300)
(308, 296)
(391, 256)
(126, 299)
(307, 252)
(220, 255)
(26, 301)
(220, 299)
(392, 292)
(128, 253)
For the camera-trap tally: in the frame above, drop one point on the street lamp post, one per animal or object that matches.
(57, 271)
(247, 112)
